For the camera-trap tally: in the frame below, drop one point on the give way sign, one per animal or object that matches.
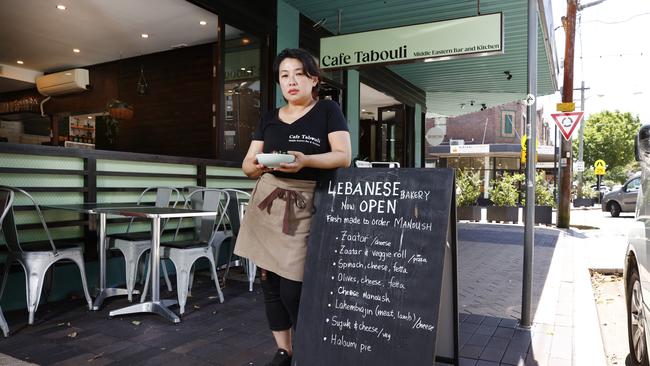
(567, 122)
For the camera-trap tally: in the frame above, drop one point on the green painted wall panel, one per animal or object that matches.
(43, 198)
(231, 172)
(40, 162)
(110, 181)
(41, 180)
(144, 167)
(31, 217)
(229, 183)
(26, 236)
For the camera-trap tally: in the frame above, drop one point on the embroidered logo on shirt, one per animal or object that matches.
(305, 139)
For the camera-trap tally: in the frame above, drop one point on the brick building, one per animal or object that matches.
(488, 140)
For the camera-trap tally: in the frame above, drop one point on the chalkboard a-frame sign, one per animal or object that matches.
(380, 276)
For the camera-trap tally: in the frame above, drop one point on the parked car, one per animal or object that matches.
(624, 198)
(637, 261)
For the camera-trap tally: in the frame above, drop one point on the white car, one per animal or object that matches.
(637, 260)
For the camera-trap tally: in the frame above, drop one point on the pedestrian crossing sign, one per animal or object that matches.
(599, 167)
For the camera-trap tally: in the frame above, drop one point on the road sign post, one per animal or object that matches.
(599, 170)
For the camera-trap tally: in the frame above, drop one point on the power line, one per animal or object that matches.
(641, 54)
(616, 21)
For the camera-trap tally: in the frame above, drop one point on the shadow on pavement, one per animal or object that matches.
(493, 339)
(490, 270)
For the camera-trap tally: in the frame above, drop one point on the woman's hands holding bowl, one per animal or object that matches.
(299, 162)
(290, 162)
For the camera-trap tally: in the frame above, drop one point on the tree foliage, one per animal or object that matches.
(468, 187)
(610, 136)
(504, 191)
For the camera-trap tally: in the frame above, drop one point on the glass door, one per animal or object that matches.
(389, 134)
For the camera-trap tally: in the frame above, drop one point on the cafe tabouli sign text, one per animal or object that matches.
(473, 36)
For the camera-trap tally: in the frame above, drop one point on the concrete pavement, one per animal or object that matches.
(565, 328)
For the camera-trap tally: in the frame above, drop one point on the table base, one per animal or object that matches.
(110, 292)
(157, 307)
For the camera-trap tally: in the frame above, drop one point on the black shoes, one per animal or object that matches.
(281, 358)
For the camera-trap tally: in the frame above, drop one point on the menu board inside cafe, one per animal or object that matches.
(374, 269)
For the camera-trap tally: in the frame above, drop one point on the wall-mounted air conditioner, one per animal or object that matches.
(456, 142)
(64, 82)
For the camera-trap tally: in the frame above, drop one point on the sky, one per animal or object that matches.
(612, 56)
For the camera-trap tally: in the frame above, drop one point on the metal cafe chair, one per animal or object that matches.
(219, 237)
(238, 202)
(6, 200)
(134, 244)
(37, 258)
(183, 253)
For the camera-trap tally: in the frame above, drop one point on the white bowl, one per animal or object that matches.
(274, 160)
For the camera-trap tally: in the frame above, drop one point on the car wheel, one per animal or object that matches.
(614, 209)
(636, 331)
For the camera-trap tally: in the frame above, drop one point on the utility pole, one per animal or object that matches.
(566, 158)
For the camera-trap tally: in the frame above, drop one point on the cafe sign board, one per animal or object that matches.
(473, 36)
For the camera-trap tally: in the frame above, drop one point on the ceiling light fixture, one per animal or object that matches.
(363, 110)
(20, 62)
(203, 22)
(144, 35)
(242, 68)
(508, 75)
(61, 7)
(462, 105)
(471, 102)
(245, 41)
(76, 50)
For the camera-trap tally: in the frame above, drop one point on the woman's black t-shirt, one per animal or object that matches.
(307, 134)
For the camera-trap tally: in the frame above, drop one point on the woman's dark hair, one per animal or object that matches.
(308, 65)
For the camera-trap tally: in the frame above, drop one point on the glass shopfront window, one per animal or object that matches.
(242, 91)
(471, 163)
(506, 163)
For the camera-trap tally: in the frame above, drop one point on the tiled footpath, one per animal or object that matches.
(564, 332)
(565, 325)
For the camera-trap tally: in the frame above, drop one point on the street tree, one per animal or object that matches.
(610, 136)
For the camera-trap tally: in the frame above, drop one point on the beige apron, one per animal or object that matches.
(275, 228)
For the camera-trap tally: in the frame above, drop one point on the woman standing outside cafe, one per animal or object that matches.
(276, 226)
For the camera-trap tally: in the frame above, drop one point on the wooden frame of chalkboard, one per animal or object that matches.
(380, 285)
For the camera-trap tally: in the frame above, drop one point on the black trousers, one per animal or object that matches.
(281, 300)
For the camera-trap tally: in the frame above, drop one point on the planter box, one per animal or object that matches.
(543, 215)
(583, 202)
(504, 214)
(471, 213)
